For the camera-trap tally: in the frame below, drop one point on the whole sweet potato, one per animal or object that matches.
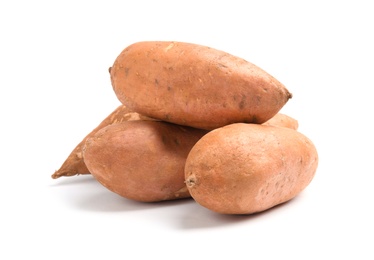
(247, 168)
(283, 120)
(142, 160)
(74, 163)
(194, 85)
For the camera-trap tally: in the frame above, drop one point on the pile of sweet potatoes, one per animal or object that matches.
(196, 122)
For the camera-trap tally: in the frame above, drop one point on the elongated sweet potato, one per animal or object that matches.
(142, 160)
(283, 120)
(194, 85)
(74, 163)
(247, 168)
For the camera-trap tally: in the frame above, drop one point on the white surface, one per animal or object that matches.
(55, 88)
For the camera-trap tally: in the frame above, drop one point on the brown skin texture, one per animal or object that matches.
(194, 85)
(247, 168)
(142, 160)
(74, 163)
(282, 120)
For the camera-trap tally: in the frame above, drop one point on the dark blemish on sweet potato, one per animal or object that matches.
(176, 141)
(242, 102)
(164, 139)
(127, 71)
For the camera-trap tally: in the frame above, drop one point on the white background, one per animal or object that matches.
(55, 88)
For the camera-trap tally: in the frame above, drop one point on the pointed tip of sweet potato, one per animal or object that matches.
(73, 165)
(59, 173)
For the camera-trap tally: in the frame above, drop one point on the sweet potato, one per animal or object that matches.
(247, 168)
(142, 160)
(74, 163)
(194, 85)
(283, 120)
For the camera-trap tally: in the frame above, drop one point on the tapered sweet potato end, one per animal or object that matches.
(73, 165)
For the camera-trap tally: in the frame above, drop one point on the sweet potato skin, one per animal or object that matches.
(74, 163)
(283, 120)
(194, 85)
(142, 160)
(249, 168)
